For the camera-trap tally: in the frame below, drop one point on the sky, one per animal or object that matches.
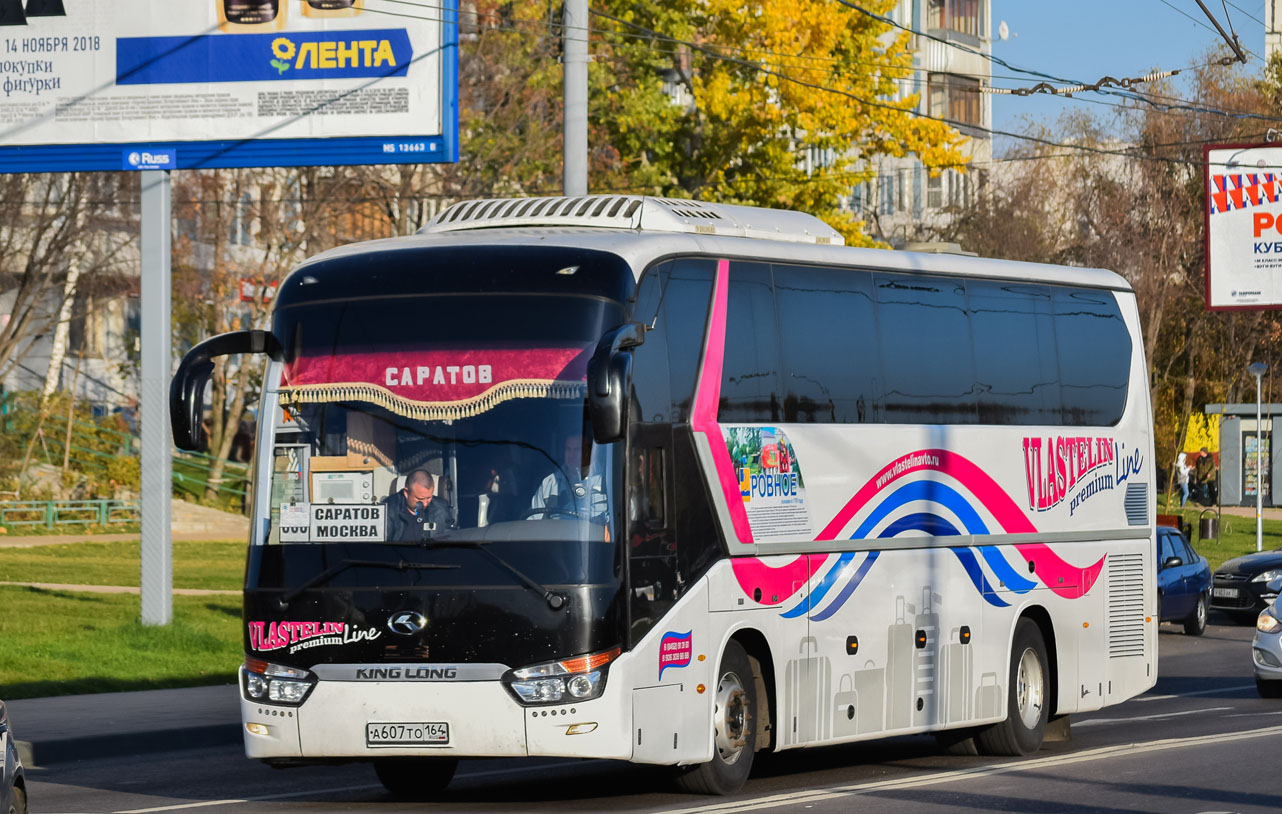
(1085, 40)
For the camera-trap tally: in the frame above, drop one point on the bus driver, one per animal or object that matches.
(414, 513)
(584, 497)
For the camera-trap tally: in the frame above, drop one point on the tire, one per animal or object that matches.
(415, 778)
(1268, 689)
(1028, 697)
(1195, 625)
(18, 802)
(734, 729)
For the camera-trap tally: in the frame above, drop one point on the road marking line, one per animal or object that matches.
(1192, 694)
(1102, 753)
(1158, 717)
(463, 776)
(285, 796)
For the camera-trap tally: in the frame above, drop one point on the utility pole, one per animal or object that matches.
(574, 39)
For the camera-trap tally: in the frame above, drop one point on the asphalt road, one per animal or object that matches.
(1200, 741)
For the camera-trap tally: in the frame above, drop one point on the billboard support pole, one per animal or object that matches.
(156, 458)
(575, 146)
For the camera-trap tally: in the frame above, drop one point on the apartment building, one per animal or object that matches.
(904, 202)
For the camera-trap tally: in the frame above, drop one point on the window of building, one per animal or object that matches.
(887, 194)
(935, 191)
(961, 16)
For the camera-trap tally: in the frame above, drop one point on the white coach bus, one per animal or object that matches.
(675, 482)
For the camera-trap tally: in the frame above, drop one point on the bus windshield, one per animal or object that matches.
(439, 419)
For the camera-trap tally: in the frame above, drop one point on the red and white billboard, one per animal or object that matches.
(1243, 226)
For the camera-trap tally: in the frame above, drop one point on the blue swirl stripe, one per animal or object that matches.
(816, 596)
(849, 588)
(924, 490)
(976, 574)
(922, 521)
(1005, 572)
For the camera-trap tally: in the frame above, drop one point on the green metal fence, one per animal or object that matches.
(50, 513)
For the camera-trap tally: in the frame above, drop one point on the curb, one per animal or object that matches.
(64, 750)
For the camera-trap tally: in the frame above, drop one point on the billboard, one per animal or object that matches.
(177, 84)
(1243, 226)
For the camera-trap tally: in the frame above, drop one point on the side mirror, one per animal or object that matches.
(1172, 562)
(610, 381)
(187, 390)
(1275, 585)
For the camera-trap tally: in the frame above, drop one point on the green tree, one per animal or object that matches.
(723, 100)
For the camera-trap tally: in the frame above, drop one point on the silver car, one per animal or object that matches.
(1266, 647)
(13, 785)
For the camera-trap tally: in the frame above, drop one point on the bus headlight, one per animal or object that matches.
(274, 683)
(577, 679)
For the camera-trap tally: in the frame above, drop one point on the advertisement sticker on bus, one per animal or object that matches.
(674, 650)
(770, 483)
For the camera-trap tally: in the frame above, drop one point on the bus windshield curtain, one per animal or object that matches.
(438, 384)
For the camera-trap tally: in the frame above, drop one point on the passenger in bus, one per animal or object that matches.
(557, 495)
(415, 513)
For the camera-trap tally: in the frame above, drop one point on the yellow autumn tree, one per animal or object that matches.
(768, 102)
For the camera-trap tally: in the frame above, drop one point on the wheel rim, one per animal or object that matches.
(730, 718)
(1201, 612)
(1029, 688)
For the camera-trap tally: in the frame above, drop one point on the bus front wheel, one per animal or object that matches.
(1028, 697)
(415, 778)
(733, 729)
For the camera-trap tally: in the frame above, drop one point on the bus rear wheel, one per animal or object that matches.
(734, 726)
(1028, 697)
(415, 778)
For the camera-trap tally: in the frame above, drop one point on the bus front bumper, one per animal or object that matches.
(482, 717)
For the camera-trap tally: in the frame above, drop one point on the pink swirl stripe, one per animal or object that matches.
(703, 417)
(1063, 578)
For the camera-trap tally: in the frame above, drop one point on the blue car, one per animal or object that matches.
(1183, 581)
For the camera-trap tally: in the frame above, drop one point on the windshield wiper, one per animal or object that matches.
(330, 573)
(555, 601)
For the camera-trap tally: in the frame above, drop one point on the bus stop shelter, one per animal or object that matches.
(1238, 453)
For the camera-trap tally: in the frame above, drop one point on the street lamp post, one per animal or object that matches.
(1257, 370)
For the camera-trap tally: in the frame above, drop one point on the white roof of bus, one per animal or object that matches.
(794, 238)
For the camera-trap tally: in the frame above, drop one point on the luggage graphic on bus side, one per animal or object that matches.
(988, 697)
(926, 662)
(845, 708)
(956, 669)
(807, 690)
(870, 689)
(899, 670)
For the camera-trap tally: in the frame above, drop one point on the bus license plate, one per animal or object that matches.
(433, 733)
(1226, 593)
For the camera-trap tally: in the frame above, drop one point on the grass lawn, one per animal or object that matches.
(196, 565)
(61, 642)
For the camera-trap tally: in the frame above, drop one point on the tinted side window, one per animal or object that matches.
(1015, 369)
(685, 313)
(650, 361)
(1094, 356)
(828, 329)
(750, 376)
(926, 355)
(673, 298)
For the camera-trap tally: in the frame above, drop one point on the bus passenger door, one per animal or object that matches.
(651, 541)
